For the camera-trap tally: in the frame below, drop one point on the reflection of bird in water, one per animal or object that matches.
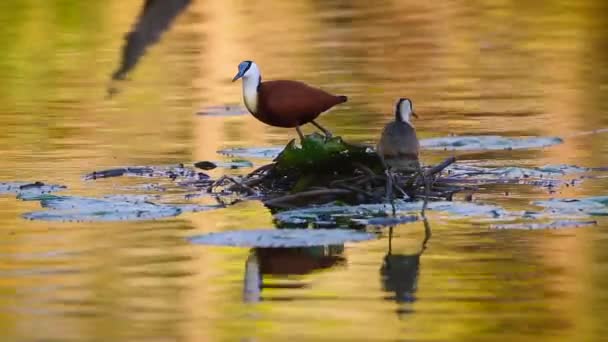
(398, 146)
(286, 262)
(284, 103)
(399, 272)
(154, 18)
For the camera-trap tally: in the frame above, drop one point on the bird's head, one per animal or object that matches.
(404, 110)
(247, 69)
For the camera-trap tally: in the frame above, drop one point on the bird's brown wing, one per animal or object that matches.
(294, 100)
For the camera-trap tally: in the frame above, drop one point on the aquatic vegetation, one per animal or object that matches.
(171, 171)
(253, 152)
(233, 164)
(110, 208)
(549, 176)
(548, 225)
(321, 183)
(323, 170)
(385, 221)
(488, 142)
(26, 190)
(586, 206)
(344, 216)
(449, 143)
(282, 238)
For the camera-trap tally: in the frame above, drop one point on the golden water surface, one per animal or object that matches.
(508, 68)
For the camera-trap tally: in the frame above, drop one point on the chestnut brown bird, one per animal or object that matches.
(283, 103)
(398, 145)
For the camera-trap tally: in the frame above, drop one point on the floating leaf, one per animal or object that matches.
(171, 172)
(563, 169)
(28, 191)
(593, 206)
(110, 208)
(346, 215)
(385, 221)
(548, 176)
(252, 152)
(488, 142)
(205, 165)
(233, 164)
(550, 225)
(282, 238)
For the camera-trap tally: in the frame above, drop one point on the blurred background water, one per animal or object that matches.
(509, 68)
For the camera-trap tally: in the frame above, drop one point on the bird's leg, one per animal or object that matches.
(325, 131)
(300, 133)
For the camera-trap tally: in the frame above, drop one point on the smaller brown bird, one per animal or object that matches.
(398, 145)
(283, 103)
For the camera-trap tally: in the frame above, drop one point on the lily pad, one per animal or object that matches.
(233, 164)
(549, 225)
(171, 172)
(546, 176)
(488, 142)
(25, 190)
(385, 221)
(451, 143)
(347, 215)
(253, 152)
(111, 208)
(588, 206)
(282, 238)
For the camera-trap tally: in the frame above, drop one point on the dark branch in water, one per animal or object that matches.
(241, 186)
(440, 167)
(361, 185)
(283, 201)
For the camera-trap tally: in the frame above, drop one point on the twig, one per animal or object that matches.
(440, 167)
(248, 189)
(249, 182)
(216, 183)
(365, 169)
(358, 190)
(261, 169)
(355, 180)
(300, 195)
(427, 189)
(398, 188)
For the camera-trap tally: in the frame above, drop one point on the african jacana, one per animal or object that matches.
(398, 145)
(283, 103)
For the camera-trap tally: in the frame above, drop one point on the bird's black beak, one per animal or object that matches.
(242, 70)
(415, 115)
(237, 76)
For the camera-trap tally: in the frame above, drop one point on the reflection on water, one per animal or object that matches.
(399, 271)
(508, 68)
(284, 262)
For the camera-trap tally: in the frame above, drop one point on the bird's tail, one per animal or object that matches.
(343, 98)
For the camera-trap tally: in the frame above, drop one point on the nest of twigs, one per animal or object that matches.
(322, 171)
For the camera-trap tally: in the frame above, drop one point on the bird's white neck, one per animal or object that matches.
(251, 81)
(404, 113)
(406, 118)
